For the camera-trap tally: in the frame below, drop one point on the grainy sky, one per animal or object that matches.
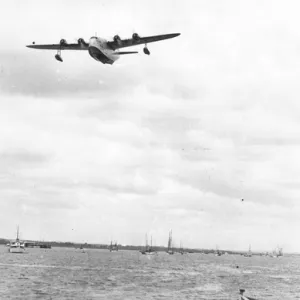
(92, 152)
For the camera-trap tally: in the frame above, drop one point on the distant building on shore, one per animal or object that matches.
(37, 245)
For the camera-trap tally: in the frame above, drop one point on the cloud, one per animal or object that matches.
(22, 156)
(53, 80)
(171, 140)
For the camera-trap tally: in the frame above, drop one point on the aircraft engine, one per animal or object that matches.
(135, 36)
(82, 42)
(63, 42)
(118, 40)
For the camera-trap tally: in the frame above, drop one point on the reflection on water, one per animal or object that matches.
(65, 273)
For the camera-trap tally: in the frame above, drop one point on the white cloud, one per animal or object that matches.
(174, 140)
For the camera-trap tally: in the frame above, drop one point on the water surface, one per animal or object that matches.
(67, 273)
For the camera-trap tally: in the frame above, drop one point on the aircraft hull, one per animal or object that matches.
(98, 50)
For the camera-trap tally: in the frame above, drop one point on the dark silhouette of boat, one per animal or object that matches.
(218, 252)
(249, 253)
(170, 248)
(113, 247)
(148, 248)
(242, 297)
(181, 250)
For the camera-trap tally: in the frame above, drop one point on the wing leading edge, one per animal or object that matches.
(136, 40)
(59, 47)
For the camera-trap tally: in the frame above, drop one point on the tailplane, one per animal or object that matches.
(125, 52)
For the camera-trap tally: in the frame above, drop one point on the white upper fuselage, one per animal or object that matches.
(99, 50)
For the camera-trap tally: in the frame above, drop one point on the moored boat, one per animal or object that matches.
(278, 252)
(181, 250)
(17, 246)
(170, 248)
(113, 247)
(218, 252)
(148, 248)
(249, 254)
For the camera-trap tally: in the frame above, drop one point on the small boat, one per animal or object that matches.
(277, 252)
(218, 252)
(170, 248)
(181, 251)
(249, 254)
(148, 249)
(113, 247)
(242, 297)
(17, 246)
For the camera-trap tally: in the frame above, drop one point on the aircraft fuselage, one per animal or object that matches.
(99, 50)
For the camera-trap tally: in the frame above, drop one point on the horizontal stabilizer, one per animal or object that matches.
(125, 52)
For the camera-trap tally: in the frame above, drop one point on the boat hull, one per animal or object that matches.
(150, 253)
(16, 250)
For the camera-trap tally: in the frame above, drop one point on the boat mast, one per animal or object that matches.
(170, 240)
(18, 233)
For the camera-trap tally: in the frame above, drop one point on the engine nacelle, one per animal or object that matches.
(146, 51)
(118, 40)
(135, 36)
(63, 42)
(81, 42)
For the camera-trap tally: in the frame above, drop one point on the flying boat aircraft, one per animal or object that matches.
(102, 50)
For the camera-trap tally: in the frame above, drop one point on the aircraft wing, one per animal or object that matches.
(65, 46)
(136, 40)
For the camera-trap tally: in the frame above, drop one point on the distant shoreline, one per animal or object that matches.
(130, 247)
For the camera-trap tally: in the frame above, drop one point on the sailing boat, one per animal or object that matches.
(277, 252)
(81, 248)
(148, 249)
(170, 249)
(249, 254)
(113, 248)
(218, 252)
(181, 251)
(17, 246)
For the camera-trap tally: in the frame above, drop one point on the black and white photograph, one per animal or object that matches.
(150, 149)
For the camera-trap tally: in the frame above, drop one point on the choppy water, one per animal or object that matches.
(65, 273)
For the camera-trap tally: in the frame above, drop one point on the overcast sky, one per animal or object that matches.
(175, 140)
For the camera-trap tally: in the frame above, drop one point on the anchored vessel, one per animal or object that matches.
(148, 248)
(170, 248)
(113, 247)
(277, 252)
(249, 254)
(218, 252)
(181, 251)
(17, 246)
